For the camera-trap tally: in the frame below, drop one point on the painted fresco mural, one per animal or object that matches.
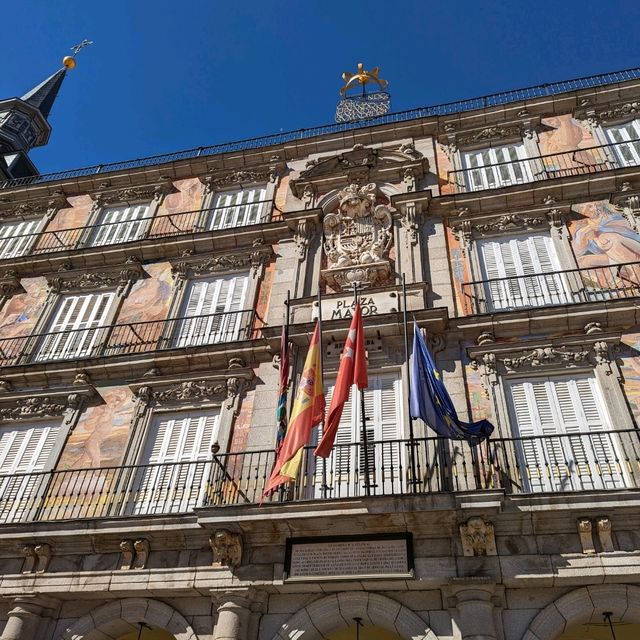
(182, 205)
(149, 298)
(101, 435)
(563, 133)
(631, 372)
(22, 312)
(461, 273)
(74, 217)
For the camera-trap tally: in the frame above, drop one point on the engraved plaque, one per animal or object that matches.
(345, 557)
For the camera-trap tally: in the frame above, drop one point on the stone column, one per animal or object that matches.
(474, 604)
(234, 611)
(28, 617)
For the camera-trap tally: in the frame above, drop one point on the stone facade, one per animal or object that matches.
(159, 386)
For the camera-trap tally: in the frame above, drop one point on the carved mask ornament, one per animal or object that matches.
(357, 239)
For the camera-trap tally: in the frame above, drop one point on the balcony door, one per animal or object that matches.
(565, 442)
(496, 167)
(120, 224)
(237, 209)
(520, 272)
(211, 310)
(626, 143)
(345, 472)
(16, 238)
(25, 452)
(78, 324)
(175, 464)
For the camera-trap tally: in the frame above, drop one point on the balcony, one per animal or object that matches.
(155, 228)
(573, 286)
(127, 338)
(596, 461)
(546, 167)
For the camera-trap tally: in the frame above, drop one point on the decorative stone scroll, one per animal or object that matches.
(478, 538)
(585, 533)
(254, 259)
(119, 278)
(603, 524)
(358, 237)
(143, 193)
(239, 177)
(10, 284)
(37, 558)
(44, 206)
(227, 548)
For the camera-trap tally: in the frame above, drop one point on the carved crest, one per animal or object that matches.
(357, 239)
(478, 538)
(227, 548)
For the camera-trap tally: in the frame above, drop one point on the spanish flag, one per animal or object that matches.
(307, 412)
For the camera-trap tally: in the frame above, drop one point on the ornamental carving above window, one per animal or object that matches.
(358, 237)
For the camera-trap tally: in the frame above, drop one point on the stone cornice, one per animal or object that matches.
(129, 195)
(596, 114)
(34, 208)
(252, 258)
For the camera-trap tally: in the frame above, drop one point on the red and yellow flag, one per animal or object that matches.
(353, 370)
(307, 412)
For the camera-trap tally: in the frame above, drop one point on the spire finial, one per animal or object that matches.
(70, 61)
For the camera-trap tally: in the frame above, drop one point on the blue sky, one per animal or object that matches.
(169, 75)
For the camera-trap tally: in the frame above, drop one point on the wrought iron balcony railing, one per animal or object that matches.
(545, 167)
(572, 286)
(458, 106)
(127, 338)
(573, 462)
(151, 228)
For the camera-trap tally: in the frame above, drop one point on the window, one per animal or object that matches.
(210, 311)
(16, 238)
(626, 143)
(566, 445)
(345, 469)
(175, 464)
(76, 328)
(519, 272)
(25, 450)
(120, 224)
(496, 167)
(237, 209)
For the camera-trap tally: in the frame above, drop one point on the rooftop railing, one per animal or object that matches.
(145, 228)
(546, 167)
(458, 106)
(572, 286)
(127, 338)
(594, 461)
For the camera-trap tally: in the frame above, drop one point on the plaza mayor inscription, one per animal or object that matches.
(343, 308)
(342, 558)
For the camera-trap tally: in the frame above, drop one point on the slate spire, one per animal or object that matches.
(44, 95)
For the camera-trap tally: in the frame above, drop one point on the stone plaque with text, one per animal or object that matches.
(345, 557)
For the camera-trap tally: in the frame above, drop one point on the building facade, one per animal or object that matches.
(141, 307)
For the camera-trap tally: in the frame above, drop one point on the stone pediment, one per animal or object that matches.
(362, 164)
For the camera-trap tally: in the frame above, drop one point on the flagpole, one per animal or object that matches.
(365, 437)
(412, 447)
(324, 487)
(287, 304)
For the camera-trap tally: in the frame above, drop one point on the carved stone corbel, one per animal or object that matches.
(463, 233)
(628, 203)
(227, 548)
(603, 523)
(127, 553)
(478, 538)
(409, 221)
(142, 549)
(585, 533)
(30, 558)
(43, 553)
(236, 386)
(487, 364)
(556, 221)
(10, 285)
(305, 231)
(309, 195)
(409, 180)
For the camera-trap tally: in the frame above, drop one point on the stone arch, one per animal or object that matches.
(117, 618)
(582, 605)
(336, 611)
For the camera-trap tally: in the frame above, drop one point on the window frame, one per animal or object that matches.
(209, 206)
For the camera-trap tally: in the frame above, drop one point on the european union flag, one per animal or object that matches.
(431, 402)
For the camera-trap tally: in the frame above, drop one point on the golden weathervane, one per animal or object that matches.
(362, 78)
(70, 61)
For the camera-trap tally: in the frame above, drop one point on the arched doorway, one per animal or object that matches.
(579, 615)
(148, 632)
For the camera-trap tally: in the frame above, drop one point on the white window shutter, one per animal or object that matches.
(237, 209)
(120, 224)
(626, 139)
(567, 453)
(24, 449)
(16, 238)
(175, 463)
(210, 310)
(76, 326)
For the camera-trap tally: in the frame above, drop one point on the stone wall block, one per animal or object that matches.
(355, 604)
(612, 598)
(327, 616)
(575, 606)
(110, 611)
(380, 613)
(547, 626)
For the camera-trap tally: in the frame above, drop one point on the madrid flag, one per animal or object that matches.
(307, 412)
(353, 370)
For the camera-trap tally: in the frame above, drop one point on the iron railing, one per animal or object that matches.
(572, 286)
(458, 106)
(151, 228)
(545, 167)
(127, 338)
(597, 460)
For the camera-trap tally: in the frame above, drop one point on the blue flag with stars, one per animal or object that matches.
(431, 402)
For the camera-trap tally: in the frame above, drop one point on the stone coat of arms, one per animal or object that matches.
(358, 237)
